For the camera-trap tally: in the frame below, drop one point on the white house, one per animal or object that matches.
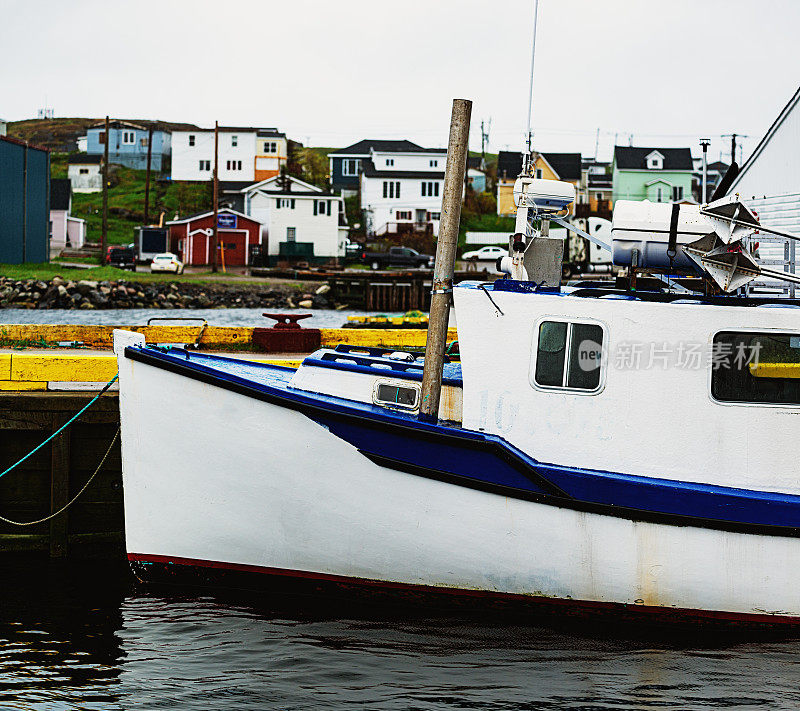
(84, 173)
(65, 230)
(769, 183)
(3, 127)
(401, 191)
(245, 154)
(299, 219)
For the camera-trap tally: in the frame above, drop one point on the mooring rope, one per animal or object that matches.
(74, 498)
(63, 427)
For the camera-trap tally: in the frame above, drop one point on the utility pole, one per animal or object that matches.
(147, 178)
(442, 291)
(215, 238)
(105, 194)
(704, 143)
(733, 148)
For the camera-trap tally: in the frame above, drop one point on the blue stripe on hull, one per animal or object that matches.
(489, 462)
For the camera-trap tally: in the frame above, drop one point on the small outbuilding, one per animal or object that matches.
(84, 173)
(65, 230)
(191, 238)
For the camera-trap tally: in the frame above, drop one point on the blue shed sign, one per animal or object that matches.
(226, 221)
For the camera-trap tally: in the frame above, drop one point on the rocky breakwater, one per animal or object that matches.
(60, 293)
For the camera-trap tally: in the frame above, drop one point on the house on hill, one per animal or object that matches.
(345, 164)
(548, 166)
(299, 220)
(655, 174)
(128, 143)
(246, 153)
(84, 173)
(24, 202)
(65, 230)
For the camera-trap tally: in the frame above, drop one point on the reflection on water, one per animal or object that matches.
(84, 637)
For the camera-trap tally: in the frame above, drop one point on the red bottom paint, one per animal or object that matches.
(166, 569)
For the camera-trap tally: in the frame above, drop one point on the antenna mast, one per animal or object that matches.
(528, 160)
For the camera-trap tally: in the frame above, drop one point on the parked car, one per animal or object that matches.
(352, 250)
(112, 247)
(122, 258)
(166, 262)
(488, 254)
(397, 257)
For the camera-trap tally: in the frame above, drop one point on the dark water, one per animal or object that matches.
(86, 637)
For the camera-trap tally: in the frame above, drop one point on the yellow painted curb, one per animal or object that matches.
(5, 367)
(63, 368)
(16, 385)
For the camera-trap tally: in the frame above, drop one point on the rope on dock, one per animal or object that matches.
(63, 427)
(74, 498)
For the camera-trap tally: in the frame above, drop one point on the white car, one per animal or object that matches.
(485, 254)
(166, 262)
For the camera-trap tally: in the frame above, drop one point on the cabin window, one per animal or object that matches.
(390, 161)
(403, 397)
(757, 368)
(434, 164)
(569, 355)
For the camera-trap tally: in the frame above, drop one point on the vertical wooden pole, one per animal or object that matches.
(147, 177)
(445, 259)
(59, 489)
(215, 237)
(105, 196)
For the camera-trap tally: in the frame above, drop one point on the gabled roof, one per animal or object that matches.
(635, 158)
(766, 139)
(509, 164)
(85, 159)
(363, 148)
(273, 185)
(566, 165)
(370, 172)
(201, 215)
(60, 193)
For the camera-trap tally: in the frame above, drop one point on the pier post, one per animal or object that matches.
(59, 489)
(442, 290)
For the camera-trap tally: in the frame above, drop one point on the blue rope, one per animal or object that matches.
(62, 428)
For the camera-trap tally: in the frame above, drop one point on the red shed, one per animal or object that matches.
(191, 237)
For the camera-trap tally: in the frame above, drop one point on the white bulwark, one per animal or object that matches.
(401, 191)
(769, 183)
(299, 219)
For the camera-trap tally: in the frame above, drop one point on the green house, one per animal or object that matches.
(655, 174)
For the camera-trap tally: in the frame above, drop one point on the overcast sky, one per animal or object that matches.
(330, 73)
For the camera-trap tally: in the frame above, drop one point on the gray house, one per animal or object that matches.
(24, 202)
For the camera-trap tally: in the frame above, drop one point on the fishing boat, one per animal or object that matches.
(597, 450)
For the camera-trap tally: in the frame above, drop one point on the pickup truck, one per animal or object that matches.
(397, 257)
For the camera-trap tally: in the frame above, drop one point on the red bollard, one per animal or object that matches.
(287, 335)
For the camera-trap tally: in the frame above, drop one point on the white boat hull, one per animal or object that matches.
(216, 478)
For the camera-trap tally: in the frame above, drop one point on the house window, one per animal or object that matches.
(599, 196)
(430, 189)
(128, 138)
(434, 164)
(322, 207)
(286, 202)
(677, 192)
(291, 234)
(436, 215)
(539, 173)
(234, 141)
(391, 189)
(205, 165)
(270, 147)
(403, 214)
(659, 195)
(390, 161)
(101, 137)
(234, 165)
(191, 139)
(350, 167)
(756, 368)
(569, 355)
(83, 171)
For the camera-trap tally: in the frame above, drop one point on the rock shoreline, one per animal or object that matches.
(58, 293)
